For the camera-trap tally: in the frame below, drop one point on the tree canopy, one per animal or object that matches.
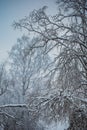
(63, 34)
(52, 59)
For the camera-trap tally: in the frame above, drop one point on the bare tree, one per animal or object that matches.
(17, 117)
(64, 33)
(26, 68)
(3, 79)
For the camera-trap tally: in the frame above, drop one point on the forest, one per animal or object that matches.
(45, 77)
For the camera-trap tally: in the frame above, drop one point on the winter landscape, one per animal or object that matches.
(43, 65)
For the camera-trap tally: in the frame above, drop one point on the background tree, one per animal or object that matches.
(26, 68)
(3, 79)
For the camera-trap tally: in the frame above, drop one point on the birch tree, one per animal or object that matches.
(26, 66)
(3, 79)
(64, 33)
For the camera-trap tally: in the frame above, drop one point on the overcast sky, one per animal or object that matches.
(11, 10)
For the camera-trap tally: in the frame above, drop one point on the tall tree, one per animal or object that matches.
(64, 33)
(26, 66)
(3, 79)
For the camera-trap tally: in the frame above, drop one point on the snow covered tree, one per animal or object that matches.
(63, 35)
(3, 79)
(26, 66)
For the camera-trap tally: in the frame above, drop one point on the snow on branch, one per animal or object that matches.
(17, 106)
(13, 105)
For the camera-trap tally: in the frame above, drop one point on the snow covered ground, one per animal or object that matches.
(58, 126)
(55, 125)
